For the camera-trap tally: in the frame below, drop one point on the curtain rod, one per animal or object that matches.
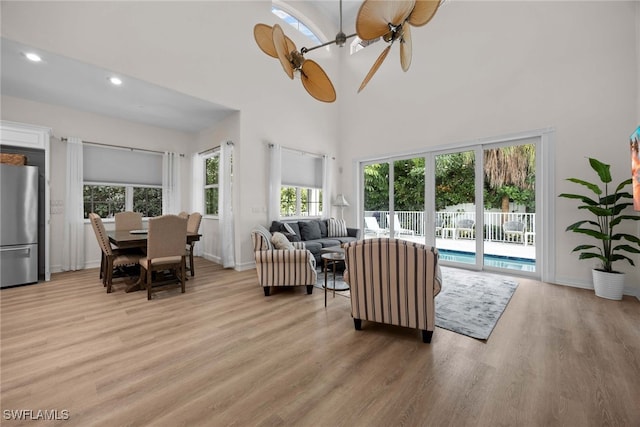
(210, 150)
(296, 150)
(64, 139)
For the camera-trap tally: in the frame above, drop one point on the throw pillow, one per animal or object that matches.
(337, 228)
(292, 237)
(280, 241)
(288, 229)
(309, 230)
(323, 228)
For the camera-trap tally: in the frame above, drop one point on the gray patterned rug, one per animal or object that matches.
(470, 303)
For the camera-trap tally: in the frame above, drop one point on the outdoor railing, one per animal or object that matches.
(414, 220)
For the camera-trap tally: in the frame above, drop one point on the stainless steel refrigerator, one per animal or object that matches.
(18, 225)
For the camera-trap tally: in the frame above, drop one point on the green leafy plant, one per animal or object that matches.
(607, 210)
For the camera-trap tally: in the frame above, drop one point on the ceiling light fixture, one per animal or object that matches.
(116, 81)
(34, 57)
(388, 19)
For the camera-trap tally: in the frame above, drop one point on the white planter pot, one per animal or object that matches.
(608, 285)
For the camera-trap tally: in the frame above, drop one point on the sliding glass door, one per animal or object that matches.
(477, 204)
(509, 171)
(455, 221)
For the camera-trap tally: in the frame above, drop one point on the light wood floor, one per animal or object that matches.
(223, 354)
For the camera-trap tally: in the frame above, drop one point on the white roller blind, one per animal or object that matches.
(301, 169)
(114, 165)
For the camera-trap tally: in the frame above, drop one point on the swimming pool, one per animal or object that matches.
(511, 263)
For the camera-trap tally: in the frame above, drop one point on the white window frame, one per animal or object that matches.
(128, 192)
(298, 213)
(205, 186)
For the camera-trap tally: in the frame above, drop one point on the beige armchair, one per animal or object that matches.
(282, 267)
(393, 282)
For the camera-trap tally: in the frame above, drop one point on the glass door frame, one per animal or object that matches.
(544, 194)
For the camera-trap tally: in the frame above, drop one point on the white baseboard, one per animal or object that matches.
(634, 292)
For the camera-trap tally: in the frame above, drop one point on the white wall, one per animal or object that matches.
(484, 69)
(480, 69)
(204, 49)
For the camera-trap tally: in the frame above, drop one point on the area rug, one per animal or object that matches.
(470, 303)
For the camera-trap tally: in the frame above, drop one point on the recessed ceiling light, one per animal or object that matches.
(115, 81)
(33, 57)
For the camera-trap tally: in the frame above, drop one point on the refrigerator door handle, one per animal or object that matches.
(14, 249)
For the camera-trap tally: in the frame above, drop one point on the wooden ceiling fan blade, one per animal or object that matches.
(263, 34)
(316, 82)
(280, 43)
(405, 47)
(375, 67)
(374, 16)
(423, 11)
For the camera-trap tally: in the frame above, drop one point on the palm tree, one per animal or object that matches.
(510, 166)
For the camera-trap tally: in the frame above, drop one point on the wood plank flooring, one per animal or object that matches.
(222, 354)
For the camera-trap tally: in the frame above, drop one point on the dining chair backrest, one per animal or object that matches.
(193, 223)
(101, 233)
(183, 214)
(128, 220)
(166, 237)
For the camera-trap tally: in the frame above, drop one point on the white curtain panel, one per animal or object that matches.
(197, 192)
(275, 182)
(225, 207)
(170, 183)
(73, 231)
(326, 186)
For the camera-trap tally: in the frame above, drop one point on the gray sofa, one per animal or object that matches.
(314, 236)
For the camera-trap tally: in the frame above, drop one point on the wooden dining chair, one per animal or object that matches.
(165, 251)
(128, 220)
(112, 258)
(193, 225)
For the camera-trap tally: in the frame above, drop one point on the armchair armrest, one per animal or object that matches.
(276, 256)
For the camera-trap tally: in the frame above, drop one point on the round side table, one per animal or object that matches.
(332, 258)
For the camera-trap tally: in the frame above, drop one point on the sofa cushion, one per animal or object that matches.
(337, 228)
(327, 243)
(345, 239)
(313, 246)
(309, 230)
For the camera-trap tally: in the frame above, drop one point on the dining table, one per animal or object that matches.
(131, 239)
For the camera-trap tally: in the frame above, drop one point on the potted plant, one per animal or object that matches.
(606, 210)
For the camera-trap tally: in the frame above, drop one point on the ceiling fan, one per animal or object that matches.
(392, 20)
(389, 19)
(276, 44)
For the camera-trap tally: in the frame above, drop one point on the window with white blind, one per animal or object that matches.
(301, 184)
(117, 180)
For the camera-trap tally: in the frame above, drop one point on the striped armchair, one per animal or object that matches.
(393, 282)
(276, 267)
